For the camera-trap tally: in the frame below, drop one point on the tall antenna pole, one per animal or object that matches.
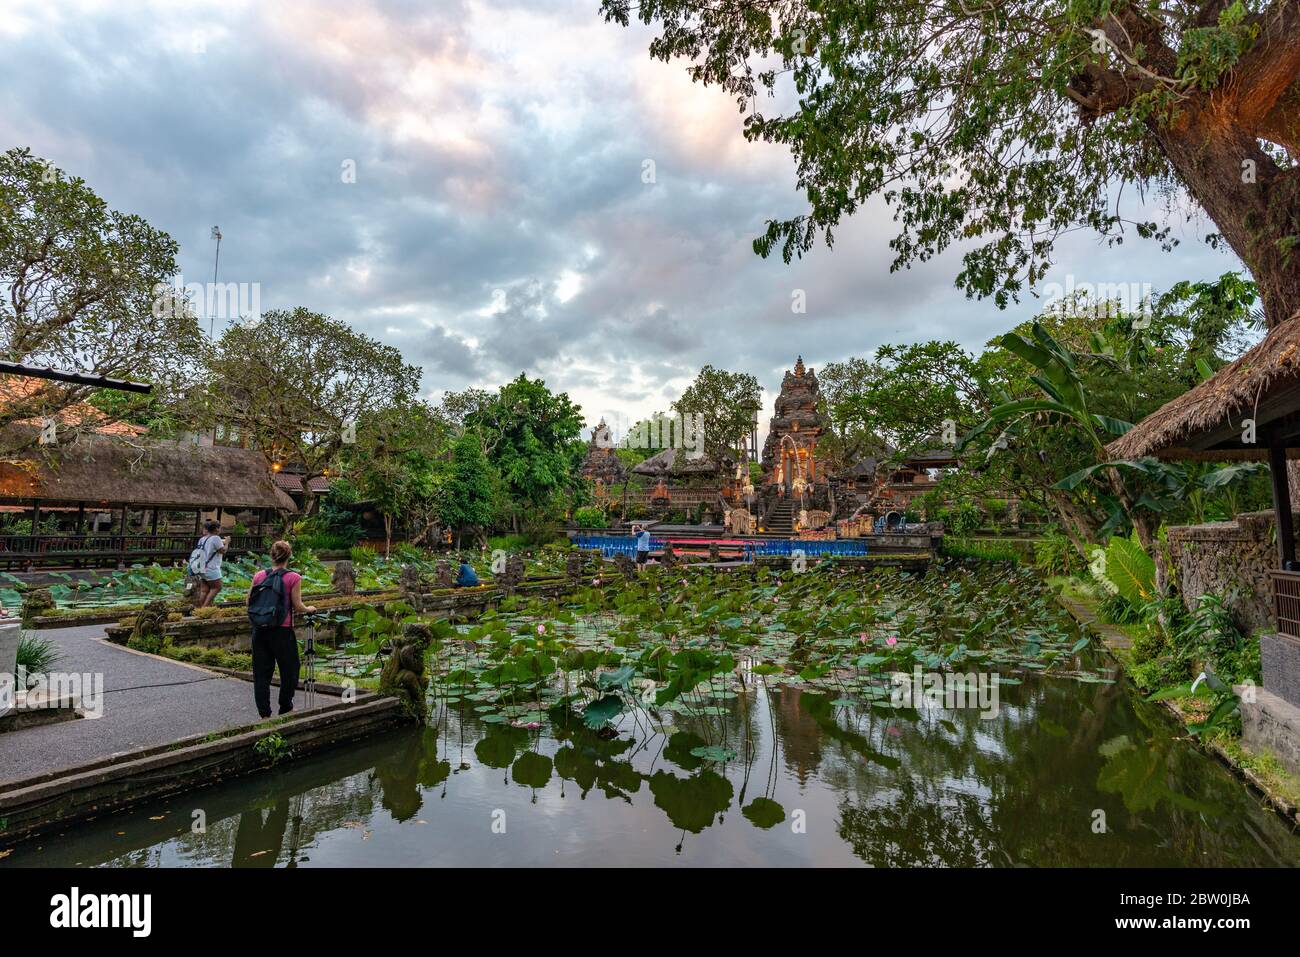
(212, 324)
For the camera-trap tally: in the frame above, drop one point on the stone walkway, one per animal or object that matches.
(148, 701)
(1111, 636)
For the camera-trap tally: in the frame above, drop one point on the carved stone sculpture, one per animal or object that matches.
(403, 675)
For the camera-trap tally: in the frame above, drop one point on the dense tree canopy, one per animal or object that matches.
(1002, 124)
(468, 498)
(728, 401)
(530, 435)
(85, 288)
(299, 386)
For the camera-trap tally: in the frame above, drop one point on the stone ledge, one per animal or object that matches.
(1272, 724)
(29, 713)
(1247, 526)
(57, 798)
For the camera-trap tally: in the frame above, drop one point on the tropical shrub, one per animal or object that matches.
(1210, 638)
(1055, 554)
(983, 551)
(507, 543)
(961, 518)
(590, 516)
(1130, 570)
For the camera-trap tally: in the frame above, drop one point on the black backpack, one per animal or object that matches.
(266, 602)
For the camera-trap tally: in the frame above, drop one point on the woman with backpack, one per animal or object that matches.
(272, 600)
(205, 564)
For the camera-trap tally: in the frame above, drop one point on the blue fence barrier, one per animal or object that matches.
(610, 545)
(785, 548)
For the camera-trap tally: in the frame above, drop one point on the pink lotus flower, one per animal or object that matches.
(862, 637)
(541, 629)
(891, 640)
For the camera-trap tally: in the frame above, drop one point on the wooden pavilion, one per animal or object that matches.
(104, 499)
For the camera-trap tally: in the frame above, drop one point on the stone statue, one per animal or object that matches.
(817, 518)
(625, 565)
(443, 577)
(403, 675)
(408, 583)
(36, 602)
(147, 635)
(513, 574)
(715, 553)
(740, 522)
(575, 565)
(669, 558)
(345, 578)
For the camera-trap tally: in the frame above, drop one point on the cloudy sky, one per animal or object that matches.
(499, 220)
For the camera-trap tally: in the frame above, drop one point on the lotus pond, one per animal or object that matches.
(133, 586)
(739, 718)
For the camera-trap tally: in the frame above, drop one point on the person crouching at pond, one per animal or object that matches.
(465, 576)
(210, 548)
(272, 600)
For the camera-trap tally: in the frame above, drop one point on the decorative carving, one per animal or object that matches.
(740, 522)
(602, 464)
(659, 495)
(715, 553)
(411, 588)
(37, 602)
(403, 675)
(625, 565)
(345, 578)
(512, 575)
(147, 635)
(814, 518)
(443, 577)
(575, 565)
(669, 558)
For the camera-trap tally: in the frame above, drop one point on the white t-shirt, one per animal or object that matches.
(211, 557)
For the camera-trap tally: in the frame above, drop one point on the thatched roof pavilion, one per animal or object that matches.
(678, 463)
(99, 473)
(1210, 421)
(107, 470)
(1249, 409)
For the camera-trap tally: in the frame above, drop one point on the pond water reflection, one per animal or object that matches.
(813, 783)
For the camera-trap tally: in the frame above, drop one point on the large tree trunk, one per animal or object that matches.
(1254, 202)
(1076, 528)
(1212, 139)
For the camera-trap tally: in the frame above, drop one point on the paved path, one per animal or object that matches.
(147, 701)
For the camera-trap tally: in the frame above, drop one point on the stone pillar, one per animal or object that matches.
(575, 566)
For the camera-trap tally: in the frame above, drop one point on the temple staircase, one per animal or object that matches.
(780, 521)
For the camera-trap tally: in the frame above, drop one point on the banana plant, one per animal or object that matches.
(1057, 375)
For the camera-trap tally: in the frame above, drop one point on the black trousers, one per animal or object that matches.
(272, 647)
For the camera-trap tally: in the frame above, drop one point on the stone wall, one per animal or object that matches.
(1218, 557)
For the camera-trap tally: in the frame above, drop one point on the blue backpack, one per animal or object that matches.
(266, 603)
